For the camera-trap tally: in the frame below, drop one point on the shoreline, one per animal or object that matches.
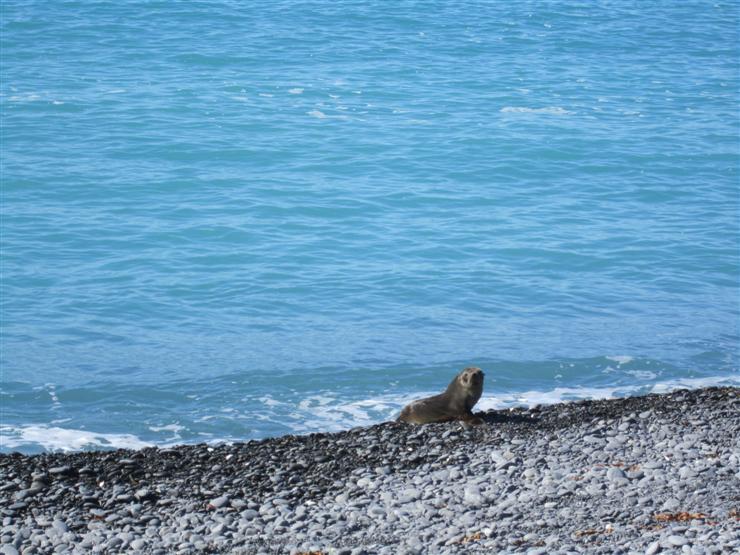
(643, 474)
(33, 438)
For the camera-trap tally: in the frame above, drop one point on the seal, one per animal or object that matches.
(454, 404)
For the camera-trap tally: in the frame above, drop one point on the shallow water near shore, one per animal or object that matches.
(227, 222)
(241, 406)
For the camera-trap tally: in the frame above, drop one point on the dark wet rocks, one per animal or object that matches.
(654, 474)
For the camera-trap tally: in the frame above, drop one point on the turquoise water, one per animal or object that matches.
(228, 220)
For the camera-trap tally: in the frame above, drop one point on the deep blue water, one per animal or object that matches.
(227, 220)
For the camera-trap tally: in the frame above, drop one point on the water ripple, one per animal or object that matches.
(231, 189)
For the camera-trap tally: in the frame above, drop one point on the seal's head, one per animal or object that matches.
(467, 387)
(472, 378)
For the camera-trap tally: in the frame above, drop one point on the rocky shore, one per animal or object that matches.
(652, 474)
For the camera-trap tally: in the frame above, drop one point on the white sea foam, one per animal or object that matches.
(624, 359)
(621, 359)
(642, 374)
(557, 395)
(563, 394)
(51, 390)
(328, 413)
(270, 402)
(168, 428)
(694, 383)
(295, 91)
(65, 439)
(321, 115)
(28, 97)
(175, 428)
(549, 110)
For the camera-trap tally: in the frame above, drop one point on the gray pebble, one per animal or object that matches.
(60, 526)
(671, 504)
(61, 470)
(219, 502)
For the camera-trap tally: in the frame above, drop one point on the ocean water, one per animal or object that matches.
(228, 220)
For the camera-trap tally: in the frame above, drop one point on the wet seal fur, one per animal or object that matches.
(455, 403)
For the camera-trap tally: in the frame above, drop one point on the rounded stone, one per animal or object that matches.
(678, 541)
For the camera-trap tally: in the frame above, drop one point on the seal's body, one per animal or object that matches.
(455, 403)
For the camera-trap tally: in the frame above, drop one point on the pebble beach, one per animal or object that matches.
(651, 474)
